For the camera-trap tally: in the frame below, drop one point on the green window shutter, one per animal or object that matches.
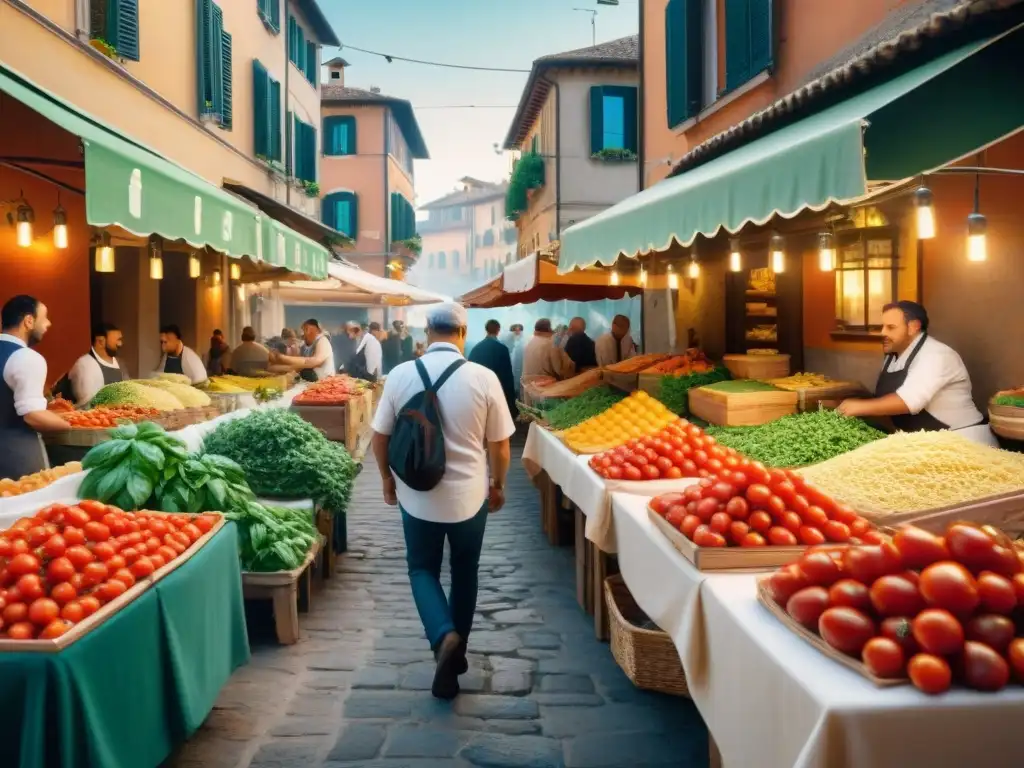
(535, 144)
(123, 28)
(762, 35)
(329, 210)
(332, 135)
(213, 56)
(632, 124)
(261, 109)
(737, 44)
(291, 38)
(353, 216)
(683, 57)
(274, 129)
(394, 217)
(227, 101)
(275, 15)
(596, 119)
(289, 141)
(300, 48)
(312, 154)
(204, 65)
(312, 66)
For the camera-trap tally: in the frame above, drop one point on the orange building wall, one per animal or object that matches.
(808, 32)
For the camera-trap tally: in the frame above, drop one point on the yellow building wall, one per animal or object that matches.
(537, 222)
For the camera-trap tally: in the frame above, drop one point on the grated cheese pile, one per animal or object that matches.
(913, 471)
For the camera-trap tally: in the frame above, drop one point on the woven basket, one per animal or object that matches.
(648, 657)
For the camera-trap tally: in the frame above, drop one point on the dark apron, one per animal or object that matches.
(357, 366)
(173, 365)
(65, 390)
(21, 448)
(888, 383)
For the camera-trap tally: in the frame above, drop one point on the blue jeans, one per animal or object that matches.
(424, 546)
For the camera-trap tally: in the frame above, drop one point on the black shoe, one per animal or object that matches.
(462, 665)
(446, 676)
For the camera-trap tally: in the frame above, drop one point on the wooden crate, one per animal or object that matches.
(757, 366)
(734, 409)
(289, 592)
(726, 558)
(87, 625)
(340, 423)
(1007, 421)
(627, 382)
(808, 398)
(1005, 511)
(77, 438)
(814, 639)
(650, 383)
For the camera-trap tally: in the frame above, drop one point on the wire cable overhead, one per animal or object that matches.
(390, 58)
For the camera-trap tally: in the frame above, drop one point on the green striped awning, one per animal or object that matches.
(282, 246)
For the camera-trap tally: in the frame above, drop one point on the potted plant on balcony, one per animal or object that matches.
(527, 176)
(615, 155)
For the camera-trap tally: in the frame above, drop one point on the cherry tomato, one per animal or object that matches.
(844, 514)
(21, 564)
(983, 668)
(110, 590)
(1016, 657)
(883, 657)
(896, 596)
(95, 509)
(996, 593)
(54, 546)
(76, 516)
(125, 576)
(991, 629)
(869, 562)
(64, 593)
(760, 521)
(786, 582)
(791, 521)
(720, 522)
(851, 594)
(95, 573)
(919, 548)
(73, 612)
(753, 539)
(80, 556)
(970, 546)
(758, 494)
(810, 536)
(836, 531)
(899, 630)
(738, 531)
(629, 473)
(95, 531)
(937, 631)
(819, 568)
(706, 509)
(737, 508)
(30, 587)
(55, 629)
(42, 611)
(142, 567)
(73, 537)
(846, 629)
(60, 570)
(23, 630)
(806, 606)
(781, 537)
(14, 613)
(950, 585)
(775, 506)
(116, 563)
(90, 604)
(929, 673)
(104, 550)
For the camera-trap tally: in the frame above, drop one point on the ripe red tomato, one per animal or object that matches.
(720, 522)
(806, 606)
(737, 508)
(64, 593)
(869, 562)
(738, 531)
(846, 629)
(983, 668)
(14, 613)
(90, 604)
(971, 546)
(79, 556)
(42, 611)
(937, 631)
(786, 582)
(73, 612)
(55, 629)
(850, 593)
(1016, 657)
(996, 593)
(95, 531)
(94, 573)
(759, 494)
(629, 473)
(929, 673)
(991, 629)
(836, 531)
(919, 548)
(810, 536)
(73, 537)
(142, 567)
(901, 631)
(30, 587)
(659, 504)
(706, 509)
(819, 568)
(687, 527)
(95, 509)
(125, 576)
(791, 521)
(54, 546)
(722, 491)
(781, 537)
(76, 516)
(950, 585)
(896, 596)
(705, 537)
(760, 521)
(884, 657)
(60, 570)
(753, 539)
(23, 630)
(23, 563)
(110, 590)
(844, 514)
(673, 517)
(775, 506)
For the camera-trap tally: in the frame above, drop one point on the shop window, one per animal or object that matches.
(867, 275)
(116, 22)
(340, 210)
(340, 135)
(213, 64)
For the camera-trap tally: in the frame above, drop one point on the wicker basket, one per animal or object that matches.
(648, 657)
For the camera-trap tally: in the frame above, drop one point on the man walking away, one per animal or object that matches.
(476, 428)
(493, 355)
(580, 347)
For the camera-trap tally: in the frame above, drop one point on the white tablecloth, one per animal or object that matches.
(772, 701)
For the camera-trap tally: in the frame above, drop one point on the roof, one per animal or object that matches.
(337, 61)
(468, 196)
(623, 53)
(321, 26)
(905, 34)
(400, 108)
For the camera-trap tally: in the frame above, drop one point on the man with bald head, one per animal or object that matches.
(616, 345)
(580, 347)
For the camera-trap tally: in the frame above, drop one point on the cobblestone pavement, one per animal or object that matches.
(541, 691)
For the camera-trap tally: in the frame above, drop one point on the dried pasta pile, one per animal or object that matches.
(913, 471)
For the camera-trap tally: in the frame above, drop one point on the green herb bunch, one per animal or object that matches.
(1015, 401)
(286, 457)
(584, 406)
(272, 538)
(674, 390)
(207, 483)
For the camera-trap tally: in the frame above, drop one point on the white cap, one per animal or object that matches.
(448, 315)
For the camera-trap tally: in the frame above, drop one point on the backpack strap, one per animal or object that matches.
(448, 373)
(422, 370)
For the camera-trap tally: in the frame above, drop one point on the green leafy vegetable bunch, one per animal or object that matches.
(584, 406)
(272, 538)
(674, 390)
(206, 483)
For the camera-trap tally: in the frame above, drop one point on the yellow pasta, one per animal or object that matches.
(913, 471)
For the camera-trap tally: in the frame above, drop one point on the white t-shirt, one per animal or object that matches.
(191, 365)
(322, 348)
(374, 353)
(25, 374)
(86, 376)
(938, 383)
(604, 349)
(473, 413)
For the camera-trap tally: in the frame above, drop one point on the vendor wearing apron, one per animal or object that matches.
(23, 413)
(177, 357)
(97, 368)
(923, 384)
(317, 361)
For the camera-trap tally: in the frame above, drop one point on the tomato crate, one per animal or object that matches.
(289, 592)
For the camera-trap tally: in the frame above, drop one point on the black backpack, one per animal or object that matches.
(416, 448)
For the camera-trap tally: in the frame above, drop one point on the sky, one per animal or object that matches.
(489, 33)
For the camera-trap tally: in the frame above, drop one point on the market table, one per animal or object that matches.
(143, 681)
(770, 699)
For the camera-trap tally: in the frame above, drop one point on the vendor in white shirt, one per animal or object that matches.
(317, 354)
(99, 366)
(616, 345)
(23, 414)
(368, 361)
(178, 358)
(923, 384)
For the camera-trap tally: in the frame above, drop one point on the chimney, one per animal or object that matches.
(374, 89)
(336, 71)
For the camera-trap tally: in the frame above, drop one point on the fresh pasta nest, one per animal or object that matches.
(915, 471)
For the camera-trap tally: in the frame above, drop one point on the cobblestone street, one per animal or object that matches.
(541, 691)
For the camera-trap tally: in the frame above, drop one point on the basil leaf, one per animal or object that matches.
(149, 453)
(112, 483)
(218, 493)
(140, 488)
(105, 454)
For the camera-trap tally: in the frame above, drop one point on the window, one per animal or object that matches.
(403, 218)
(866, 277)
(312, 70)
(213, 64)
(335, 75)
(340, 210)
(339, 135)
(455, 260)
(397, 146)
(270, 14)
(749, 40)
(296, 44)
(510, 235)
(488, 238)
(613, 118)
(266, 113)
(116, 22)
(305, 150)
(442, 261)
(430, 261)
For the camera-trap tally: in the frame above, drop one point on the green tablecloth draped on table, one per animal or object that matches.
(125, 694)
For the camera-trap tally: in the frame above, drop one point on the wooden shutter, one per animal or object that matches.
(683, 59)
(300, 47)
(762, 36)
(227, 99)
(310, 153)
(311, 63)
(275, 120)
(275, 14)
(261, 109)
(353, 215)
(289, 144)
(630, 119)
(737, 43)
(395, 215)
(596, 119)
(123, 29)
(291, 38)
(204, 65)
(215, 75)
(329, 210)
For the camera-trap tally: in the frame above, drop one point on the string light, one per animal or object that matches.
(673, 279)
(156, 259)
(23, 226)
(615, 277)
(235, 271)
(735, 257)
(643, 276)
(60, 226)
(826, 252)
(104, 259)
(777, 248)
(925, 212)
(694, 269)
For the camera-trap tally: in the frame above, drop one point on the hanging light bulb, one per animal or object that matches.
(694, 269)
(826, 252)
(60, 226)
(240, 292)
(215, 277)
(24, 217)
(673, 279)
(156, 259)
(195, 266)
(104, 259)
(977, 247)
(735, 258)
(925, 208)
(615, 277)
(777, 249)
(235, 272)
(643, 276)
